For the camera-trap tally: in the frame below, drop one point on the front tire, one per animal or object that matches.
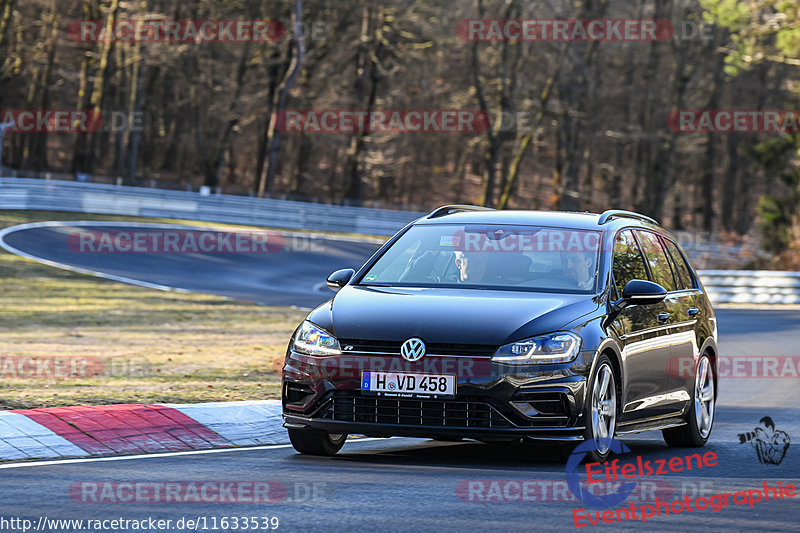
(315, 442)
(700, 419)
(601, 408)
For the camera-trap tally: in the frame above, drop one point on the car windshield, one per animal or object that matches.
(490, 257)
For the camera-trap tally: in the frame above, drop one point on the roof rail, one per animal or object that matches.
(619, 213)
(450, 209)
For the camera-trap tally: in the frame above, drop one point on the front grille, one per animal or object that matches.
(461, 413)
(474, 350)
(393, 348)
(377, 347)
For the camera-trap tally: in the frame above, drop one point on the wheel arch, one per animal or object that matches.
(610, 348)
(617, 366)
(710, 348)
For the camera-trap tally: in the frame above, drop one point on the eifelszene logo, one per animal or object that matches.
(574, 482)
(612, 471)
(770, 444)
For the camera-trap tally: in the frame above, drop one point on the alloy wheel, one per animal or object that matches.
(604, 407)
(704, 397)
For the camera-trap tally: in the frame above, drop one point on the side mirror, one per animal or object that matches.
(339, 279)
(641, 292)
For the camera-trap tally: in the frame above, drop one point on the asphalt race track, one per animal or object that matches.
(291, 273)
(411, 484)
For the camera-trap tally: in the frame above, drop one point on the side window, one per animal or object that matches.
(657, 260)
(628, 260)
(682, 271)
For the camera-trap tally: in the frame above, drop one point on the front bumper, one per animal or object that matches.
(324, 393)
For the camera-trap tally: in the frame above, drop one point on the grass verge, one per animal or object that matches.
(165, 347)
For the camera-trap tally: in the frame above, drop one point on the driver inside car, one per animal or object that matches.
(578, 267)
(471, 266)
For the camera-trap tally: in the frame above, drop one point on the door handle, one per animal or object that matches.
(662, 317)
(693, 312)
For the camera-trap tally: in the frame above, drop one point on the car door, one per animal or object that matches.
(685, 311)
(645, 345)
(679, 325)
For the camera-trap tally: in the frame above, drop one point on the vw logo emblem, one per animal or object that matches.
(413, 349)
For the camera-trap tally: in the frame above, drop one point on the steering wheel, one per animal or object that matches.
(569, 282)
(417, 265)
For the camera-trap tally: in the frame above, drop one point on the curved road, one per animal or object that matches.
(412, 485)
(289, 269)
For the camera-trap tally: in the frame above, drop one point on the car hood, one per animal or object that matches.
(460, 316)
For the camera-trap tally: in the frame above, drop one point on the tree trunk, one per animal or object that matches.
(369, 60)
(99, 89)
(490, 153)
(707, 179)
(513, 172)
(38, 150)
(644, 180)
(275, 71)
(215, 179)
(265, 184)
(573, 118)
(6, 64)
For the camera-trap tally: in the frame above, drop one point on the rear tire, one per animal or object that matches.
(700, 418)
(316, 442)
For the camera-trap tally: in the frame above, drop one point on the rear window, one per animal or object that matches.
(657, 260)
(683, 272)
(490, 256)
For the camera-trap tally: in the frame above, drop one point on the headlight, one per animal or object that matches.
(313, 340)
(553, 348)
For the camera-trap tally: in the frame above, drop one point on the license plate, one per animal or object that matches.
(401, 384)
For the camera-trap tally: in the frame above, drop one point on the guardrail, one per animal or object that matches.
(752, 286)
(723, 286)
(55, 195)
